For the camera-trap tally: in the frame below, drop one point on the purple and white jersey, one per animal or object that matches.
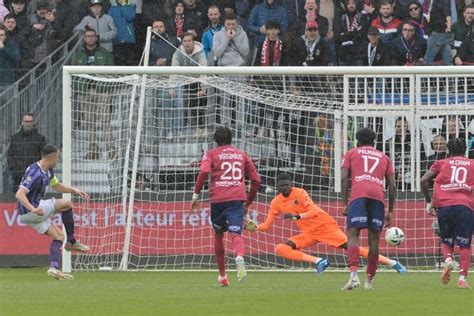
(35, 181)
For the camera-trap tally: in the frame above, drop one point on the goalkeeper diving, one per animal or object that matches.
(315, 224)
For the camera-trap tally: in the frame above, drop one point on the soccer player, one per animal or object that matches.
(453, 203)
(367, 167)
(37, 213)
(315, 224)
(229, 201)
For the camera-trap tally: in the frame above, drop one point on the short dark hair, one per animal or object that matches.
(284, 176)
(9, 16)
(223, 136)
(365, 136)
(187, 34)
(456, 147)
(88, 29)
(230, 16)
(48, 149)
(272, 24)
(159, 19)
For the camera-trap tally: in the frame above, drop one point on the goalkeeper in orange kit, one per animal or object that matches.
(315, 224)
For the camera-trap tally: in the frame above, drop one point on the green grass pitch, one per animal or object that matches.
(31, 292)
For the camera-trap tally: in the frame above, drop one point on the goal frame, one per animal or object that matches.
(345, 72)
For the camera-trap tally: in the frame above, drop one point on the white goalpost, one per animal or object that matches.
(133, 138)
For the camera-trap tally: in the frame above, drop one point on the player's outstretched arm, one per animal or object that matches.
(344, 189)
(63, 188)
(425, 189)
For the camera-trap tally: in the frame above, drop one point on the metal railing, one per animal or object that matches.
(38, 91)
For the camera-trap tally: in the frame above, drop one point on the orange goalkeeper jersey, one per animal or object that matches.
(298, 202)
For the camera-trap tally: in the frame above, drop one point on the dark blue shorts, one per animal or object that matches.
(366, 213)
(228, 216)
(455, 225)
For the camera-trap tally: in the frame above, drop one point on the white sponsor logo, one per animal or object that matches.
(359, 219)
(234, 228)
(377, 221)
(368, 177)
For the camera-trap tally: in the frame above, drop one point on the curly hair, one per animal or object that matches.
(365, 137)
(223, 136)
(456, 147)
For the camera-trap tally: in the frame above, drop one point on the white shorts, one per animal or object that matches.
(40, 223)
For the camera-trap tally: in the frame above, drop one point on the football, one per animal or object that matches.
(394, 236)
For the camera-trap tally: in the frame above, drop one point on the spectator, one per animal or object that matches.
(398, 148)
(3, 10)
(95, 104)
(25, 148)
(197, 19)
(18, 9)
(440, 36)
(151, 10)
(42, 35)
(416, 17)
(179, 23)
(191, 53)
(68, 15)
(378, 54)
(215, 25)
(312, 14)
(261, 14)
(310, 49)
(332, 10)
(9, 60)
(123, 15)
(14, 34)
(465, 53)
(439, 146)
(231, 48)
(294, 8)
(386, 23)
(272, 52)
(230, 45)
(102, 23)
(407, 48)
(162, 46)
(351, 42)
(462, 29)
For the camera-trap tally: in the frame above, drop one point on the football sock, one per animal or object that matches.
(372, 265)
(286, 251)
(464, 260)
(68, 222)
(220, 252)
(238, 245)
(353, 257)
(447, 252)
(364, 252)
(54, 253)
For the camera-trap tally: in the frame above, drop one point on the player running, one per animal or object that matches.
(315, 224)
(229, 201)
(367, 168)
(37, 213)
(453, 203)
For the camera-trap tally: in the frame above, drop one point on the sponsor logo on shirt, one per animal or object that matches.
(368, 177)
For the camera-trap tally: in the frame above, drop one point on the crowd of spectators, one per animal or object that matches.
(323, 32)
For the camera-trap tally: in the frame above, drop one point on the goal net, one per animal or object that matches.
(134, 137)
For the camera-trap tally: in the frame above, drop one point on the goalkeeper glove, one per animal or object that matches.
(430, 208)
(251, 225)
(292, 217)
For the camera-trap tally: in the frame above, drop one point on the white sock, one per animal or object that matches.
(353, 274)
(392, 263)
(462, 278)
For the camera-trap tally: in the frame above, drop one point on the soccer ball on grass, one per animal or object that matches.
(394, 236)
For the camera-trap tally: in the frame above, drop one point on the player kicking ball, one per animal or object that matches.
(227, 166)
(37, 213)
(367, 168)
(316, 226)
(453, 204)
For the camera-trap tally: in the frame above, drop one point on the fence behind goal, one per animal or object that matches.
(133, 138)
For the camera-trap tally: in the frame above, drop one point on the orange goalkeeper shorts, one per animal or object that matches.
(332, 236)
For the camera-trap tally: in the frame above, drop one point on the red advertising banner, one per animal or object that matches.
(169, 228)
